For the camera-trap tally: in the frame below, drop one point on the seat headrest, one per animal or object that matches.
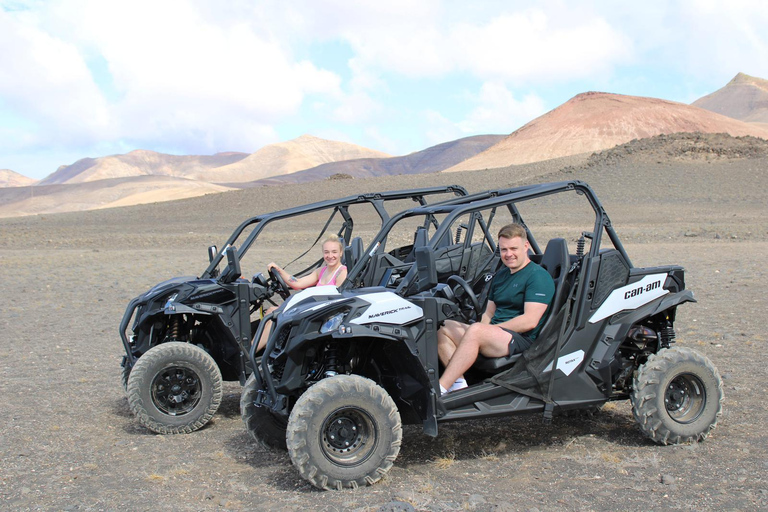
(555, 257)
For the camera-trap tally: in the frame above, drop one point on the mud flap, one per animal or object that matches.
(430, 423)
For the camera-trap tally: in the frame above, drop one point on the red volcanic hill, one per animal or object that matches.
(745, 98)
(595, 121)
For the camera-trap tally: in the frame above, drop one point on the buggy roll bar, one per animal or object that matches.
(377, 199)
(456, 207)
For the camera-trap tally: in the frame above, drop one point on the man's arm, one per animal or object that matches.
(532, 313)
(490, 309)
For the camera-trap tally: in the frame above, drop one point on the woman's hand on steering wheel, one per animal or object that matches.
(280, 287)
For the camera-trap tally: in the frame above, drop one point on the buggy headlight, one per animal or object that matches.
(169, 302)
(332, 323)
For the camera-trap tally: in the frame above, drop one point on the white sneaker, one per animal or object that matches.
(459, 384)
(442, 390)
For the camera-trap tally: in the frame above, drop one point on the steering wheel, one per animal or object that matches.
(469, 306)
(280, 287)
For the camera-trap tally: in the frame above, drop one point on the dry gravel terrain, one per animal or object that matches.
(69, 442)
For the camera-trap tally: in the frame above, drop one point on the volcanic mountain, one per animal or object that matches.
(595, 121)
(288, 157)
(231, 167)
(432, 159)
(9, 178)
(745, 98)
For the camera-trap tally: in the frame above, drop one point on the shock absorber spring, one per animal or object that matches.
(331, 358)
(175, 328)
(580, 247)
(667, 335)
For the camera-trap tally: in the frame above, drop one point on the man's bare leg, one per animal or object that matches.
(489, 340)
(448, 338)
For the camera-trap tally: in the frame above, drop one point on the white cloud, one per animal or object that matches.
(498, 111)
(182, 82)
(495, 111)
(200, 76)
(46, 81)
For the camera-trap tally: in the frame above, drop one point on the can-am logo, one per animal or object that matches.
(641, 289)
(389, 312)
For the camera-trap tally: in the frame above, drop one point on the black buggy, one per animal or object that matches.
(191, 333)
(342, 370)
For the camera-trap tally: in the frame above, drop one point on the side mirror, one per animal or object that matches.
(426, 272)
(232, 272)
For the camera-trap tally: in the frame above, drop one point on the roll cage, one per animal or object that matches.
(444, 215)
(340, 206)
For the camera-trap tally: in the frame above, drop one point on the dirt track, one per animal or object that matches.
(69, 442)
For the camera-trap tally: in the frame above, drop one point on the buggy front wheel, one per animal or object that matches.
(677, 396)
(174, 388)
(344, 431)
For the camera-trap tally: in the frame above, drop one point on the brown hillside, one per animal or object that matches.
(595, 121)
(287, 157)
(138, 163)
(10, 178)
(32, 200)
(745, 98)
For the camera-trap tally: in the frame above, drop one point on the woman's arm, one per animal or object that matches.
(294, 282)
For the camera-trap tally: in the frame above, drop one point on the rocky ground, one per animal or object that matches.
(68, 440)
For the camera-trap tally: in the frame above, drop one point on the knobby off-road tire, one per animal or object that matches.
(174, 388)
(265, 427)
(677, 396)
(344, 431)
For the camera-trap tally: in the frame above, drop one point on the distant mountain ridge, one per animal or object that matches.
(9, 178)
(140, 162)
(124, 191)
(94, 195)
(587, 123)
(744, 98)
(273, 159)
(284, 158)
(595, 121)
(432, 159)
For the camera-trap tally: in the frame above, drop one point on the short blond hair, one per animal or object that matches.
(513, 231)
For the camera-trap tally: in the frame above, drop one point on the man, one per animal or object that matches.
(517, 307)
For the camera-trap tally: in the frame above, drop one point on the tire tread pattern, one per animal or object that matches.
(298, 430)
(140, 378)
(645, 391)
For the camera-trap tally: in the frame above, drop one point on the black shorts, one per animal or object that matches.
(518, 343)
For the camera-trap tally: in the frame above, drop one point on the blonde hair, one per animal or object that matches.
(336, 239)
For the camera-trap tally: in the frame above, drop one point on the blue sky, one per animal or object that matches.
(88, 78)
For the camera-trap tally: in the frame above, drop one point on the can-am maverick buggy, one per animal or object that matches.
(342, 370)
(190, 333)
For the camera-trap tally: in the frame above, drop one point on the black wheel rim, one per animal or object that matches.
(685, 398)
(348, 436)
(176, 390)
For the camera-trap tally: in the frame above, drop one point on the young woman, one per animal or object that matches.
(332, 273)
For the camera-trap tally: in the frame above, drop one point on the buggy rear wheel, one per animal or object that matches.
(677, 396)
(174, 388)
(263, 425)
(344, 431)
